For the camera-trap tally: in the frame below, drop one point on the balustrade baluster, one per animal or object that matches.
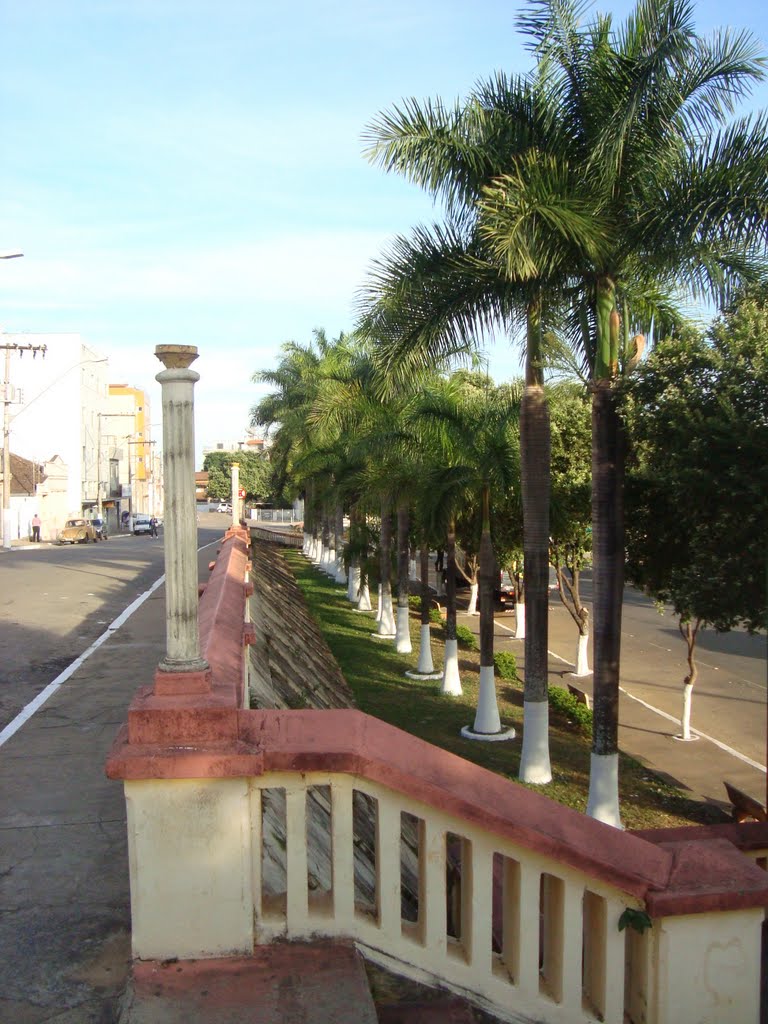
(571, 931)
(256, 851)
(432, 881)
(388, 869)
(614, 959)
(296, 897)
(477, 897)
(529, 931)
(342, 853)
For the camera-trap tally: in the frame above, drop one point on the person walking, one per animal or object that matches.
(153, 526)
(36, 524)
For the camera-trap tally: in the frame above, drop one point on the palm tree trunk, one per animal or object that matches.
(403, 626)
(451, 683)
(386, 625)
(487, 719)
(608, 581)
(339, 573)
(425, 666)
(535, 479)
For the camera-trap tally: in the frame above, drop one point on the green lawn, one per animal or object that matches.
(375, 673)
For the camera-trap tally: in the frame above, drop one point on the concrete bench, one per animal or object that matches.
(745, 808)
(580, 695)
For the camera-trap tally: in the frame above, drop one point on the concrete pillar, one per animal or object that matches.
(182, 669)
(235, 494)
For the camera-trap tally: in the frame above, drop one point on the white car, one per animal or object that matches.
(224, 506)
(141, 524)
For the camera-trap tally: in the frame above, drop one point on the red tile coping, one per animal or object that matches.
(222, 629)
(682, 877)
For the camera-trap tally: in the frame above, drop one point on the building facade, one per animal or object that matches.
(58, 391)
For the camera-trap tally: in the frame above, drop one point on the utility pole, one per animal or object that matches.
(7, 400)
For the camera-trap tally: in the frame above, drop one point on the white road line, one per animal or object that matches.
(34, 705)
(702, 735)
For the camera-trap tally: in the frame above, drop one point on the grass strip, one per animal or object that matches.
(375, 673)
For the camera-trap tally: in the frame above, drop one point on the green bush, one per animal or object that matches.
(466, 638)
(505, 664)
(568, 706)
(414, 603)
(435, 616)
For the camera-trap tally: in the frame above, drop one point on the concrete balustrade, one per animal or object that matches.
(518, 900)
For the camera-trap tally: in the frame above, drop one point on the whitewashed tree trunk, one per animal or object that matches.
(425, 665)
(451, 683)
(305, 545)
(472, 607)
(324, 555)
(364, 601)
(330, 565)
(413, 569)
(386, 625)
(341, 575)
(353, 584)
(379, 604)
(582, 656)
(685, 721)
(520, 620)
(403, 632)
(487, 717)
(603, 800)
(535, 767)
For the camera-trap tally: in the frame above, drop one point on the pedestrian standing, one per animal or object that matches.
(36, 524)
(153, 526)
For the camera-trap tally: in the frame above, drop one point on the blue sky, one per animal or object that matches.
(190, 172)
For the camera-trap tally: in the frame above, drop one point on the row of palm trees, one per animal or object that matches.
(581, 202)
(583, 198)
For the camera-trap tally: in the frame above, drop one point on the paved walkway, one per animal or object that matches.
(64, 902)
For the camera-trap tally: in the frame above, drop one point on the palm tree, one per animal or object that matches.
(640, 145)
(432, 295)
(286, 408)
(476, 425)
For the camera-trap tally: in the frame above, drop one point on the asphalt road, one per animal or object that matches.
(729, 699)
(56, 600)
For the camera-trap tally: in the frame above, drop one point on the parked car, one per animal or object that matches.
(142, 524)
(77, 531)
(224, 506)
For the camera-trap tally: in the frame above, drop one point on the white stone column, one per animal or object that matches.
(235, 502)
(180, 519)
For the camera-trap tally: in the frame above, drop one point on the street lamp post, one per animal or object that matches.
(12, 255)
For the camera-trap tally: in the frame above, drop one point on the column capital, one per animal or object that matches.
(176, 357)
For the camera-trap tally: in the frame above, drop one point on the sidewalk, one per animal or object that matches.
(64, 900)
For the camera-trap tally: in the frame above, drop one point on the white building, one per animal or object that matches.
(58, 396)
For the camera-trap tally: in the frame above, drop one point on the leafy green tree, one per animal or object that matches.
(254, 474)
(697, 488)
(570, 544)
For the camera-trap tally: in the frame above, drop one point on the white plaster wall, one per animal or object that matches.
(707, 968)
(193, 894)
